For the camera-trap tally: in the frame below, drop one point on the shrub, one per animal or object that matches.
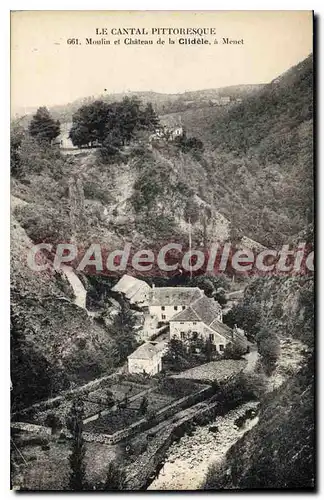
(269, 350)
(234, 351)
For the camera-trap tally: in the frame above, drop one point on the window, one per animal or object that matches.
(182, 335)
(221, 347)
(194, 335)
(183, 307)
(181, 323)
(163, 316)
(194, 322)
(211, 337)
(175, 308)
(163, 308)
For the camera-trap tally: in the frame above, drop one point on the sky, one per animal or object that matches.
(46, 70)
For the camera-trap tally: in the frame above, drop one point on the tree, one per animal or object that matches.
(79, 135)
(220, 296)
(129, 117)
(17, 135)
(143, 405)
(189, 144)
(234, 351)
(115, 478)
(246, 316)
(192, 211)
(43, 127)
(209, 350)
(77, 464)
(53, 422)
(149, 119)
(176, 350)
(123, 331)
(269, 349)
(111, 144)
(111, 125)
(205, 284)
(89, 124)
(110, 400)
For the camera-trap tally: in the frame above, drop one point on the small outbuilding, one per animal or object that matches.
(147, 358)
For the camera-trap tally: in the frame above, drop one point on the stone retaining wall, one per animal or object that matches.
(145, 468)
(144, 423)
(35, 429)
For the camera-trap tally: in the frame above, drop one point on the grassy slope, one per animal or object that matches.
(279, 451)
(259, 156)
(48, 327)
(162, 103)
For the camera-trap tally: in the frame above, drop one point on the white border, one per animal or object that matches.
(317, 6)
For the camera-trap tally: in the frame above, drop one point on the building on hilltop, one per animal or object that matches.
(147, 358)
(225, 100)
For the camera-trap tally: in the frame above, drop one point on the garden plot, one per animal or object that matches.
(94, 401)
(118, 390)
(160, 395)
(118, 419)
(114, 421)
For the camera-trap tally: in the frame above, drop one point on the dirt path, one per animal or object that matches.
(78, 288)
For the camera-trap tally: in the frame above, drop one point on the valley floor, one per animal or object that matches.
(188, 460)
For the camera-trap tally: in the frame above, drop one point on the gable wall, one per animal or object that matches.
(187, 327)
(168, 312)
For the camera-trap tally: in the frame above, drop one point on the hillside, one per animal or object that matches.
(256, 169)
(143, 197)
(259, 156)
(279, 451)
(162, 103)
(237, 185)
(262, 158)
(54, 343)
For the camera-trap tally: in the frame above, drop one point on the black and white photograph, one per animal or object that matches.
(162, 333)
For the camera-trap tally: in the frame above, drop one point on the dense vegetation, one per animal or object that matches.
(262, 158)
(279, 451)
(43, 127)
(111, 125)
(146, 195)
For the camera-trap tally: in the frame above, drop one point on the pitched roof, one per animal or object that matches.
(202, 309)
(147, 350)
(170, 296)
(235, 335)
(130, 286)
(186, 315)
(207, 309)
(222, 329)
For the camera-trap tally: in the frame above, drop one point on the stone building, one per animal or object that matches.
(147, 358)
(134, 290)
(166, 302)
(203, 319)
